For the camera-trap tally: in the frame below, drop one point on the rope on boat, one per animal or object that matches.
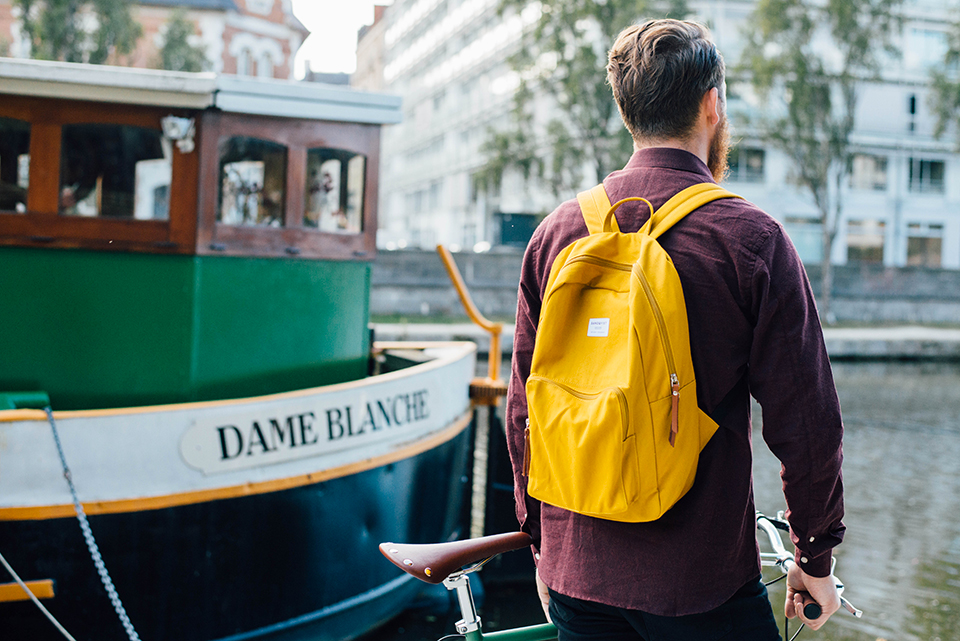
(33, 597)
(91, 542)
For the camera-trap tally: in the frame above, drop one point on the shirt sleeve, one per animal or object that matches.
(790, 376)
(525, 334)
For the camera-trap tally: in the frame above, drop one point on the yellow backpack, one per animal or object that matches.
(614, 430)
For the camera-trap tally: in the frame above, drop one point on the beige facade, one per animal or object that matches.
(243, 37)
(369, 73)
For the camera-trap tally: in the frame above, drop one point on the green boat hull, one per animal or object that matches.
(104, 329)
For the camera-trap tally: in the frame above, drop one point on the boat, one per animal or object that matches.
(184, 277)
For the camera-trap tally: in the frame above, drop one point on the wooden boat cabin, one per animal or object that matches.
(156, 228)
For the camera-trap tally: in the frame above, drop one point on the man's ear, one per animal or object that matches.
(710, 106)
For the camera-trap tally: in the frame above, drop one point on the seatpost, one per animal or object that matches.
(470, 621)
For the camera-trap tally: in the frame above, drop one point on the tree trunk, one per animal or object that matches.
(826, 277)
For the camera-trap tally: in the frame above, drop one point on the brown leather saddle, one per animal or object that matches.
(434, 562)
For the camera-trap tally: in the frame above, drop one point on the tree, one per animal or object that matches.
(177, 54)
(945, 85)
(565, 56)
(807, 60)
(61, 29)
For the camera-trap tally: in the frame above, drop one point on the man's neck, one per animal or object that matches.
(696, 145)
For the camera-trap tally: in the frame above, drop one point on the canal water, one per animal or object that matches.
(901, 557)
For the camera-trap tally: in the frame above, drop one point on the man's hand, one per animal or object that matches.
(544, 596)
(803, 588)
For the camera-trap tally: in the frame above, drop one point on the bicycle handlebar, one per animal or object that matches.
(784, 560)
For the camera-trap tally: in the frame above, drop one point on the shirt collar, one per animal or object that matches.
(668, 158)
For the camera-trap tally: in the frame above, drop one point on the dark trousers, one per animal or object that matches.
(747, 616)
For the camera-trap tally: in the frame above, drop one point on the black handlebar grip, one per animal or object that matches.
(812, 610)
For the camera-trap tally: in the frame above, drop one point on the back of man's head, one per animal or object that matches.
(659, 72)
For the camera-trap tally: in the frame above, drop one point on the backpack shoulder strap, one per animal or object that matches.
(594, 205)
(686, 201)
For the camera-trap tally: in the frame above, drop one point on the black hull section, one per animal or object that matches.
(290, 565)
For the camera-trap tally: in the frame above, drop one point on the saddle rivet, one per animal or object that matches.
(394, 551)
(407, 562)
(428, 571)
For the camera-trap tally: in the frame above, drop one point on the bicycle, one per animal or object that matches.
(451, 564)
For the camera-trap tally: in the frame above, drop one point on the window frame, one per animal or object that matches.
(292, 238)
(926, 185)
(742, 174)
(854, 185)
(192, 227)
(43, 225)
(16, 161)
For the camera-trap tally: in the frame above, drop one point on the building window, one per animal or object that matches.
(263, 7)
(925, 48)
(253, 175)
(865, 239)
(334, 192)
(746, 165)
(807, 236)
(924, 244)
(118, 171)
(516, 229)
(436, 195)
(926, 176)
(14, 164)
(265, 66)
(869, 172)
(245, 63)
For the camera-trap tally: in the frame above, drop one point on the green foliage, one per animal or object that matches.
(60, 29)
(945, 93)
(565, 57)
(806, 59)
(515, 147)
(177, 54)
(811, 58)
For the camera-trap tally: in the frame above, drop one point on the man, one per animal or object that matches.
(694, 572)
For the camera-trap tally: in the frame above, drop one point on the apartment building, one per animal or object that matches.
(243, 37)
(448, 60)
(901, 205)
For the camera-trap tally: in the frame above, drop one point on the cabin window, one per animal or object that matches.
(116, 171)
(252, 182)
(14, 164)
(334, 191)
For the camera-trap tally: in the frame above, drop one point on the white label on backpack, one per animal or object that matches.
(599, 327)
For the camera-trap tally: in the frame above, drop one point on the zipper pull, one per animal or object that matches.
(674, 409)
(526, 450)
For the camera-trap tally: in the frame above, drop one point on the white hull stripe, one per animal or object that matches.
(142, 458)
(36, 513)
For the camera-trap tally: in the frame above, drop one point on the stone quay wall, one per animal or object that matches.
(411, 284)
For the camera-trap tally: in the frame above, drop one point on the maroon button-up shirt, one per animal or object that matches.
(752, 320)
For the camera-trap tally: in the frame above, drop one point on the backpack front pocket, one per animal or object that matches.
(582, 457)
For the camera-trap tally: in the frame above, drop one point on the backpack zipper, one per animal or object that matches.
(585, 396)
(674, 379)
(526, 448)
(624, 267)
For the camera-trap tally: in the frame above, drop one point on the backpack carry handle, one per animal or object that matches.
(609, 218)
(598, 213)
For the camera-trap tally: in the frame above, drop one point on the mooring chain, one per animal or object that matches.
(88, 536)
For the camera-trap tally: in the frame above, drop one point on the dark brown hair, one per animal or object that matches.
(659, 72)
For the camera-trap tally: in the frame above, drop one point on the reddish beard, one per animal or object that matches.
(719, 148)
